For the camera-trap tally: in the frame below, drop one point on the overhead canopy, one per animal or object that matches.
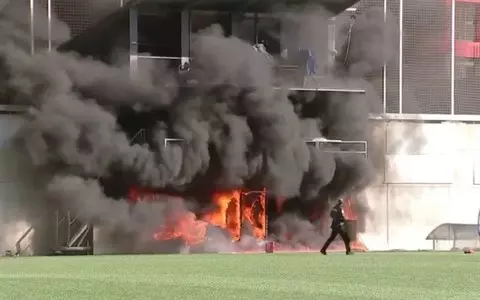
(101, 37)
(454, 231)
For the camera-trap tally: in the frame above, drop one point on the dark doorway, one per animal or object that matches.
(160, 34)
(268, 32)
(200, 20)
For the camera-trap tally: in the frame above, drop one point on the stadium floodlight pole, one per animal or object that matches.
(168, 140)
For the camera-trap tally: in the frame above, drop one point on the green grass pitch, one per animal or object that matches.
(249, 276)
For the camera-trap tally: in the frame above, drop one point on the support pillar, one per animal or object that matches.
(133, 20)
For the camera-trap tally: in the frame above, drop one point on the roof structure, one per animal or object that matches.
(455, 231)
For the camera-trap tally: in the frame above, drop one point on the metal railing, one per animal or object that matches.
(18, 245)
(352, 149)
(70, 232)
(298, 80)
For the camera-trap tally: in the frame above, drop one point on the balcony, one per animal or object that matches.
(289, 77)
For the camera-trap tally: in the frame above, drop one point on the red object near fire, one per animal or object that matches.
(270, 247)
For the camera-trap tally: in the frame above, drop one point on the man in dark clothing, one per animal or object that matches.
(338, 228)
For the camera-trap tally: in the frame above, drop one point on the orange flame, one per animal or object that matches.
(236, 207)
(232, 209)
(186, 227)
(227, 214)
(348, 209)
(254, 211)
(351, 215)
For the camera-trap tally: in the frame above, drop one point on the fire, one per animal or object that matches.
(348, 210)
(232, 210)
(186, 227)
(236, 208)
(254, 211)
(227, 213)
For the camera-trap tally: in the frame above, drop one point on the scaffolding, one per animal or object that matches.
(72, 235)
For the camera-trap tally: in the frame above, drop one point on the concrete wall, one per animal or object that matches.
(429, 175)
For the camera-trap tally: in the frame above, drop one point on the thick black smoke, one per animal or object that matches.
(237, 131)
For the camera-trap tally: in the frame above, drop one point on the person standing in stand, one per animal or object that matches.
(338, 228)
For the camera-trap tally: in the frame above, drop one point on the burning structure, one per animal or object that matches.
(178, 130)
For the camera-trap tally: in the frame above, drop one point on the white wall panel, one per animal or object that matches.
(420, 169)
(414, 211)
(420, 138)
(376, 226)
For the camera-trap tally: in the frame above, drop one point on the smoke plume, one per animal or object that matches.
(236, 130)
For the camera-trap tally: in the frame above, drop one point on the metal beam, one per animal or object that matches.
(426, 117)
(7, 108)
(169, 140)
(321, 140)
(321, 89)
(18, 244)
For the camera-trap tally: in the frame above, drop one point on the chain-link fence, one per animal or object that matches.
(429, 76)
(80, 15)
(56, 21)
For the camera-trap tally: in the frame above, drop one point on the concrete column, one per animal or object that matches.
(32, 27)
(185, 19)
(133, 18)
